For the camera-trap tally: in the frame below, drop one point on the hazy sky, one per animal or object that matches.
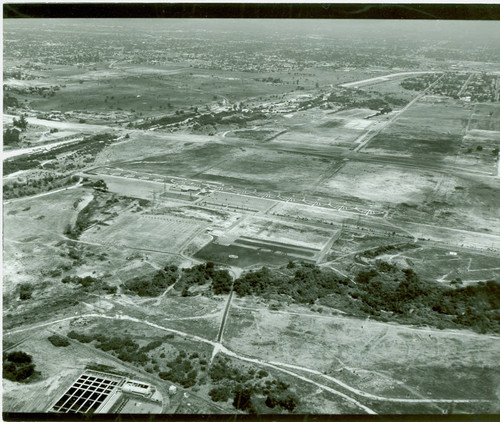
(475, 31)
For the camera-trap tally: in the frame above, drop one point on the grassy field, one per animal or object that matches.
(445, 264)
(239, 255)
(320, 130)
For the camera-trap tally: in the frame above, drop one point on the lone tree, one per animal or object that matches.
(22, 123)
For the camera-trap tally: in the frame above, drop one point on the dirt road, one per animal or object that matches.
(283, 367)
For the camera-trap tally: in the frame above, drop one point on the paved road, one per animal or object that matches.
(384, 78)
(70, 126)
(39, 148)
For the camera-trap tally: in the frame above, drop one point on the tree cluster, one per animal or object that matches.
(202, 274)
(418, 83)
(249, 390)
(21, 123)
(10, 136)
(383, 291)
(181, 370)
(305, 285)
(18, 366)
(350, 98)
(90, 283)
(155, 285)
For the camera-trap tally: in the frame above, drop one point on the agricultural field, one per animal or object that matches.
(485, 117)
(429, 127)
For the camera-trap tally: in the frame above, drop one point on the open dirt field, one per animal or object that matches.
(145, 231)
(448, 264)
(276, 231)
(379, 183)
(320, 129)
(423, 363)
(269, 171)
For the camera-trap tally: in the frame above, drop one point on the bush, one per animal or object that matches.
(59, 341)
(81, 337)
(25, 291)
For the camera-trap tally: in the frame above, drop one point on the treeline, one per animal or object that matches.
(349, 98)
(155, 285)
(124, 347)
(418, 83)
(90, 283)
(36, 185)
(385, 292)
(89, 146)
(373, 253)
(269, 79)
(249, 390)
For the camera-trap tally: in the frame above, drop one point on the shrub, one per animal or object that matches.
(25, 291)
(59, 341)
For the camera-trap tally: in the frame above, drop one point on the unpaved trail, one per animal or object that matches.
(283, 367)
(372, 396)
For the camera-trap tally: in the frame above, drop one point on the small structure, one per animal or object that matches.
(136, 387)
(172, 390)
